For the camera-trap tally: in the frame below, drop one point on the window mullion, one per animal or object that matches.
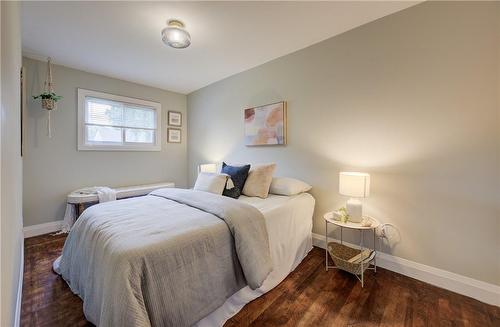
(121, 126)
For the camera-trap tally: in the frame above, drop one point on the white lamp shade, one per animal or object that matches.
(354, 184)
(207, 168)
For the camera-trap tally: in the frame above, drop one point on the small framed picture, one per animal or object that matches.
(174, 135)
(174, 118)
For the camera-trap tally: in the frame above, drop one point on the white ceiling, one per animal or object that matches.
(122, 39)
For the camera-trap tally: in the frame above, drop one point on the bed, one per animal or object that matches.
(289, 226)
(183, 257)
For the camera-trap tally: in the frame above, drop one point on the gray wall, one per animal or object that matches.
(11, 235)
(412, 99)
(54, 167)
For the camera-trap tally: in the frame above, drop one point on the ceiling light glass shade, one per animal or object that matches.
(175, 35)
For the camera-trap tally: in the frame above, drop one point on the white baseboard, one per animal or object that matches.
(479, 290)
(35, 230)
(17, 316)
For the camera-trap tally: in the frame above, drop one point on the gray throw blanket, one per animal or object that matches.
(166, 259)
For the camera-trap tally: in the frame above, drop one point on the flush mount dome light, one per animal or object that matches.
(175, 35)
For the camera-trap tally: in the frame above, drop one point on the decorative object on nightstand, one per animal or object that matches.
(348, 258)
(341, 215)
(355, 185)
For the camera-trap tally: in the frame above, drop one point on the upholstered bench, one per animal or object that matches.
(82, 201)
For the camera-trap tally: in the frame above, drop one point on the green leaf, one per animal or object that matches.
(48, 95)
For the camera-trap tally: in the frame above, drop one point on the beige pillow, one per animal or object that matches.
(259, 180)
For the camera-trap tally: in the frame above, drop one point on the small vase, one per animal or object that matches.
(48, 104)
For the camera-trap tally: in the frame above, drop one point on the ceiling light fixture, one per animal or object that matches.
(175, 34)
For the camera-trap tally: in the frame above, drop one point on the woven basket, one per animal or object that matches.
(341, 254)
(48, 104)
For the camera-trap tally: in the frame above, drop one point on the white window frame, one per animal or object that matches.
(84, 146)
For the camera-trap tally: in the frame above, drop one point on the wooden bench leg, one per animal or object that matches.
(79, 209)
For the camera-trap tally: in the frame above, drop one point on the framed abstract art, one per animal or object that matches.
(266, 125)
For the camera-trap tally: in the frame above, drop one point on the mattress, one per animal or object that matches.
(289, 225)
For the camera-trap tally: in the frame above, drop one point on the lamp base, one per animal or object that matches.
(354, 210)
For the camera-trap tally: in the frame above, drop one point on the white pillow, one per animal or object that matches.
(258, 181)
(288, 186)
(211, 182)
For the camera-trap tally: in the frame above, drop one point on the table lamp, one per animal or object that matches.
(207, 168)
(356, 186)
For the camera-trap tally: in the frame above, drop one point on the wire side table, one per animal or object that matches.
(371, 260)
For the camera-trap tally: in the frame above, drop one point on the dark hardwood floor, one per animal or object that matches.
(309, 296)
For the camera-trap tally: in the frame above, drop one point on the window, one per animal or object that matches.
(115, 123)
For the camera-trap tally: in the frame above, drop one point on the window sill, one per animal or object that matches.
(154, 148)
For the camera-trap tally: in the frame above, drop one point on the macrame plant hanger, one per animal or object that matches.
(49, 104)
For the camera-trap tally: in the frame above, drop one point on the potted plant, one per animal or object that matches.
(49, 99)
(344, 216)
